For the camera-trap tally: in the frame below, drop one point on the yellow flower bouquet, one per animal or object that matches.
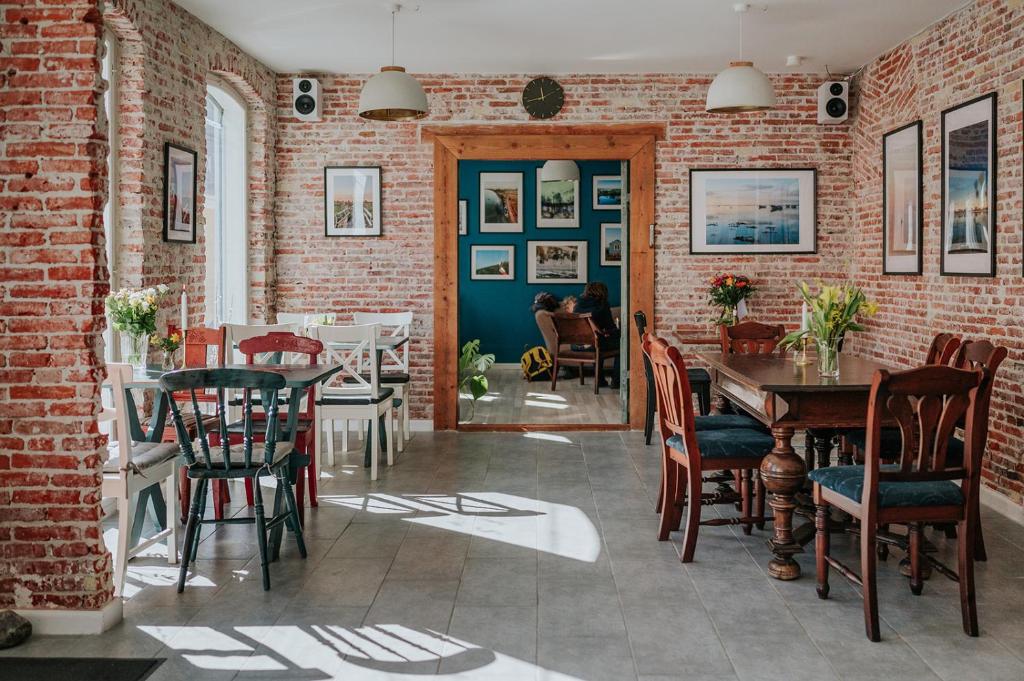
(830, 314)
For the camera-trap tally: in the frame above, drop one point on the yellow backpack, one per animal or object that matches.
(536, 364)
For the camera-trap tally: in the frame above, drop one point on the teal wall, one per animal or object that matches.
(498, 312)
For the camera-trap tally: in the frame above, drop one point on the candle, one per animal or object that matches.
(184, 310)
(803, 317)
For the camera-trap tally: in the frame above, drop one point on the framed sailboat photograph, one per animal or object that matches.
(969, 188)
(902, 194)
(746, 211)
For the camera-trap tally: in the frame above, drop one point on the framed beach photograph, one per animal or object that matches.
(745, 211)
(607, 192)
(611, 244)
(969, 188)
(180, 179)
(558, 203)
(556, 262)
(902, 198)
(352, 201)
(463, 217)
(501, 202)
(497, 263)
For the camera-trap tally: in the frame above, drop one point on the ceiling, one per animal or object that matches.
(566, 36)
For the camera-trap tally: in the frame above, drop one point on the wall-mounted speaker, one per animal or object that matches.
(306, 99)
(833, 102)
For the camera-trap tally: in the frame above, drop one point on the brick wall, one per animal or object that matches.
(973, 52)
(395, 271)
(52, 281)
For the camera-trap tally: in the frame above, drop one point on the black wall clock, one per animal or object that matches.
(543, 97)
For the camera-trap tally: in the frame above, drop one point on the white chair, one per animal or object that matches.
(395, 367)
(131, 467)
(351, 393)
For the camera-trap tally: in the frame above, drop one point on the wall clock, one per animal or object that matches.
(543, 97)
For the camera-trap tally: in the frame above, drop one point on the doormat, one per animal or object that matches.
(77, 668)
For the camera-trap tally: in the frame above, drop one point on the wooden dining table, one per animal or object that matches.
(787, 396)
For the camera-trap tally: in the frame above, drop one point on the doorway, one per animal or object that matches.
(537, 142)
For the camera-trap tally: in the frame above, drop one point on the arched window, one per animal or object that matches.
(109, 72)
(225, 208)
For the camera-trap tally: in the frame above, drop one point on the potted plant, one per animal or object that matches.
(472, 369)
(727, 292)
(829, 315)
(133, 314)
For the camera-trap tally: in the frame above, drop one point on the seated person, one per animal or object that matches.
(595, 302)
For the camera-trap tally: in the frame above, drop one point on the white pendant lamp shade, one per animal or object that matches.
(741, 87)
(559, 170)
(392, 95)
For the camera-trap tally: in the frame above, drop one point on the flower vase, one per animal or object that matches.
(133, 349)
(167, 363)
(728, 317)
(828, 358)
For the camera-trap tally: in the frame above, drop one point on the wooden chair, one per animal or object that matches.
(579, 330)
(394, 370)
(129, 468)
(687, 453)
(236, 333)
(353, 393)
(922, 487)
(751, 338)
(700, 383)
(275, 346)
(223, 463)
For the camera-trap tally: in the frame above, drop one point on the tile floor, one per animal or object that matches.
(503, 556)
(510, 399)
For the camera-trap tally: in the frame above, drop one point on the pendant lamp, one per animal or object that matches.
(559, 170)
(741, 87)
(392, 94)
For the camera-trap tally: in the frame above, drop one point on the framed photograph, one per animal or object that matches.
(463, 219)
(902, 198)
(607, 192)
(180, 179)
(745, 211)
(969, 188)
(351, 201)
(556, 262)
(611, 244)
(501, 202)
(497, 263)
(558, 203)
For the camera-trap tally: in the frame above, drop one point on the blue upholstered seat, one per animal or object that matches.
(849, 481)
(722, 421)
(728, 443)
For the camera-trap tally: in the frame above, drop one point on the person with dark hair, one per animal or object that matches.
(595, 301)
(544, 301)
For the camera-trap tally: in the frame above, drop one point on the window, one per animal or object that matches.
(109, 72)
(225, 208)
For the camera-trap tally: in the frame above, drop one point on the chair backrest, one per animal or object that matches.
(546, 324)
(640, 319)
(355, 349)
(236, 333)
(942, 349)
(194, 382)
(573, 328)
(396, 324)
(280, 347)
(927, 403)
(118, 375)
(200, 343)
(751, 338)
(981, 354)
(675, 405)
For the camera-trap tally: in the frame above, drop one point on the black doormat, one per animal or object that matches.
(77, 668)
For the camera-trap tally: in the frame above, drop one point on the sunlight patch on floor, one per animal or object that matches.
(548, 437)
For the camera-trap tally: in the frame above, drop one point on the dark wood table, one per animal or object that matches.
(786, 397)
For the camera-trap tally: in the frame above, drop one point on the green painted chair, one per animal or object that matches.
(226, 463)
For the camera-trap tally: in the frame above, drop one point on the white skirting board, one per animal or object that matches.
(74, 622)
(1002, 505)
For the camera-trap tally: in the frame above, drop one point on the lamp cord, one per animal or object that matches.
(394, 14)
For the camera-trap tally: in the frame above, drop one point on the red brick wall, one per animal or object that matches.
(52, 282)
(973, 52)
(394, 271)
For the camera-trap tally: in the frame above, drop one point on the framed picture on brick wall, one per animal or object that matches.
(969, 188)
(748, 211)
(352, 201)
(180, 179)
(902, 198)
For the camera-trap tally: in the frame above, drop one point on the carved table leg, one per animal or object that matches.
(809, 449)
(784, 473)
(823, 446)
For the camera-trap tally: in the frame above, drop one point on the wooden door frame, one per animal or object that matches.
(633, 142)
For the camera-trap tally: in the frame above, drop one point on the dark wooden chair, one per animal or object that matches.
(921, 487)
(700, 383)
(275, 346)
(223, 463)
(687, 453)
(752, 338)
(582, 335)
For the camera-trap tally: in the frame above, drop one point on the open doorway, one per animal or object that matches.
(613, 143)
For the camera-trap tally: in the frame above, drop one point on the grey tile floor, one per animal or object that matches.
(511, 557)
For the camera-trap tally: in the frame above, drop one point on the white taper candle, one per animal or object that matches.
(184, 310)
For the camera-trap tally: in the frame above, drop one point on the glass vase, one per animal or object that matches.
(828, 359)
(167, 362)
(133, 350)
(728, 316)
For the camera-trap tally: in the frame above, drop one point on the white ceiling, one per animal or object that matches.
(566, 36)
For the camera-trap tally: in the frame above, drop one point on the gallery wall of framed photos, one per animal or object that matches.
(520, 236)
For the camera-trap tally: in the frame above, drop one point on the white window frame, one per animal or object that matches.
(111, 73)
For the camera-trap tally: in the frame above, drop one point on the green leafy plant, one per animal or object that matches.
(831, 313)
(472, 369)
